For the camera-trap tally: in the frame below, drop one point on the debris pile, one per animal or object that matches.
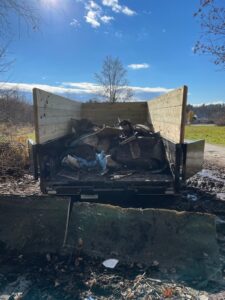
(122, 147)
(54, 277)
(25, 185)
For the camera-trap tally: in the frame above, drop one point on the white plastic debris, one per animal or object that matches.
(203, 297)
(110, 263)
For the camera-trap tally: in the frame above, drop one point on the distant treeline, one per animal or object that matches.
(212, 113)
(14, 108)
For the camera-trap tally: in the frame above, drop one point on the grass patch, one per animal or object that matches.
(19, 133)
(212, 134)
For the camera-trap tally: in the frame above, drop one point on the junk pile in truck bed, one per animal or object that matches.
(113, 151)
(135, 147)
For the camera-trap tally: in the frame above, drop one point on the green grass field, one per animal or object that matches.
(212, 134)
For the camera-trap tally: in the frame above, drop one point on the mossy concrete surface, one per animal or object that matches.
(34, 224)
(180, 241)
(183, 242)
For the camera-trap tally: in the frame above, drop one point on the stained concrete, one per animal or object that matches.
(180, 241)
(32, 224)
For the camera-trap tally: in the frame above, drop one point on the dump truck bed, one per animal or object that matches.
(66, 183)
(165, 115)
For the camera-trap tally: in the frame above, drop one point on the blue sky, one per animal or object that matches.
(152, 38)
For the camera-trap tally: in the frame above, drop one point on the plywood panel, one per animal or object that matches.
(52, 114)
(167, 114)
(108, 113)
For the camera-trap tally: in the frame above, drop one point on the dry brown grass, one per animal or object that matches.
(14, 158)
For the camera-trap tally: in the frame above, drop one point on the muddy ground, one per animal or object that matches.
(52, 277)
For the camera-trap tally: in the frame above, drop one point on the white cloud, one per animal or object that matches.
(127, 11)
(91, 18)
(74, 88)
(150, 89)
(94, 15)
(86, 90)
(116, 7)
(86, 87)
(106, 19)
(139, 66)
(65, 88)
(75, 23)
(94, 88)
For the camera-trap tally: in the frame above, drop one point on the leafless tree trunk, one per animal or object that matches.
(212, 40)
(113, 82)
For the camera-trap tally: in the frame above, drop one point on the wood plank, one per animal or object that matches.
(52, 114)
(108, 113)
(167, 114)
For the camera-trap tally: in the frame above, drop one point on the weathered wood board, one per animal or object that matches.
(167, 114)
(52, 114)
(108, 113)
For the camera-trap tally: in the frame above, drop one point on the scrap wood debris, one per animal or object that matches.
(104, 149)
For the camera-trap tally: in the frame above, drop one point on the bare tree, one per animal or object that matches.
(4, 64)
(19, 8)
(15, 109)
(9, 9)
(113, 82)
(212, 40)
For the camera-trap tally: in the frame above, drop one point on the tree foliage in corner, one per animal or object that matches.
(212, 40)
(113, 82)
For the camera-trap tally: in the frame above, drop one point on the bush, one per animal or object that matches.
(15, 109)
(13, 159)
(220, 121)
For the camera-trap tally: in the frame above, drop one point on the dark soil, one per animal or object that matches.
(53, 277)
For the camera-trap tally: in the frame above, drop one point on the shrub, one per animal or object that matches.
(220, 121)
(13, 159)
(15, 109)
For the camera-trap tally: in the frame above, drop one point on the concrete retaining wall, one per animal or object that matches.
(183, 241)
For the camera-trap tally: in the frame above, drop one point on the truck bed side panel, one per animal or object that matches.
(52, 114)
(167, 114)
(109, 113)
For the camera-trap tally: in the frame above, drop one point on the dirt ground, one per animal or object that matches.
(215, 155)
(52, 277)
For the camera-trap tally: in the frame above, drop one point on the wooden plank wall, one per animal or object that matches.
(52, 114)
(167, 114)
(108, 113)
